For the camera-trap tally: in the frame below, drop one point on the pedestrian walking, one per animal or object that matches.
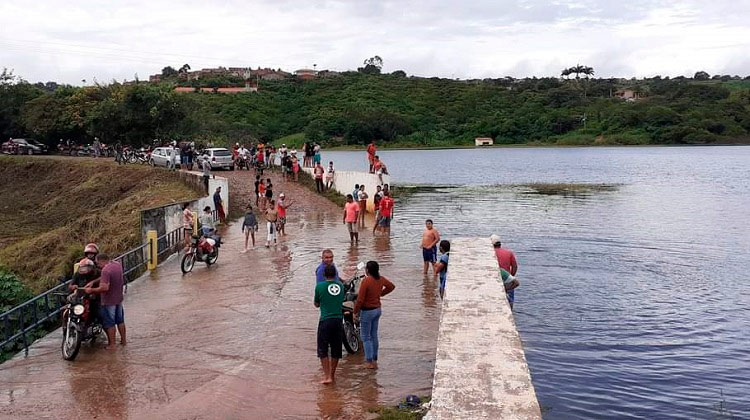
(249, 225)
(430, 239)
(219, 205)
(262, 194)
(368, 310)
(257, 189)
(206, 171)
(318, 173)
(110, 287)
(272, 216)
(329, 297)
(330, 172)
(295, 166)
(97, 147)
(269, 190)
(386, 213)
(362, 196)
(351, 214)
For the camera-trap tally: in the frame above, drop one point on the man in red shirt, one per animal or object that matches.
(386, 213)
(506, 259)
(371, 150)
(281, 207)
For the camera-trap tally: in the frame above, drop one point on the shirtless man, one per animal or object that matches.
(272, 216)
(430, 239)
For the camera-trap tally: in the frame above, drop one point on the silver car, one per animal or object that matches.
(160, 157)
(218, 157)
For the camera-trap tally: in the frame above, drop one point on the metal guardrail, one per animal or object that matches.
(21, 322)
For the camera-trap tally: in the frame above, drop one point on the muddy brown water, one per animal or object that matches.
(238, 339)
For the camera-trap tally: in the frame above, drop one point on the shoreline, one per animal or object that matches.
(525, 146)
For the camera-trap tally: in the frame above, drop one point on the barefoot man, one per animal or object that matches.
(430, 239)
(110, 287)
(329, 297)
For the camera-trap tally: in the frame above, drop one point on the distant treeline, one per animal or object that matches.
(354, 108)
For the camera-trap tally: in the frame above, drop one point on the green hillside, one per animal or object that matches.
(352, 108)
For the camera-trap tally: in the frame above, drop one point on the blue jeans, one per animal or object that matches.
(369, 320)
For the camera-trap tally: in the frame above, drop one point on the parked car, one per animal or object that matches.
(23, 147)
(219, 157)
(160, 157)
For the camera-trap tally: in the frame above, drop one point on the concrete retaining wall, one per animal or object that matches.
(480, 366)
(165, 219)
(344, 182)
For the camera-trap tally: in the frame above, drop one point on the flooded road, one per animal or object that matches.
(238, 340)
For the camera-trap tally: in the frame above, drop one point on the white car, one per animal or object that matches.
(218, 157)
(160, 157)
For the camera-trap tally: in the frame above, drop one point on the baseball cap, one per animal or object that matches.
(282, 195)
(494, 238)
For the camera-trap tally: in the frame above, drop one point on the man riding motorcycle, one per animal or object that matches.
(86, 275)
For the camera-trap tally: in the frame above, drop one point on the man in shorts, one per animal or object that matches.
(110, 288)
(430, 239)
(386, 213)
(351, 214)
(329, 297)
(506, 259)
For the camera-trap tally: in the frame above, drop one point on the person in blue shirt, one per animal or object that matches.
(327, 260)
(355, 193)
(441, 268)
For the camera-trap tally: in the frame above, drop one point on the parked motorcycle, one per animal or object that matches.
(352, 337)
(78, 323)
(202, 248)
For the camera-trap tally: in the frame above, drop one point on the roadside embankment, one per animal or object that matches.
(480, 366)
(52, 206)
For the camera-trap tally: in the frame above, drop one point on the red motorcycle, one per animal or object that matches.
(78, 324)
(202, 248)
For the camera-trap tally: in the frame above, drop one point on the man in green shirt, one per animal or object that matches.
(329, 297)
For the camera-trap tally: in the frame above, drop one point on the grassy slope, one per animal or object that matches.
(52, 207)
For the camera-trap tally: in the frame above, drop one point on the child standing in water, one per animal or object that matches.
(441, 268)
(249, 225)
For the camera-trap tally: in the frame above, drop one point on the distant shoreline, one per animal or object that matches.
(526, 146)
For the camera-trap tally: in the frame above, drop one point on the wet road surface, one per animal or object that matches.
(237, 340)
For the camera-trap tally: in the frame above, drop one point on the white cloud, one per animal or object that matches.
(50, 40)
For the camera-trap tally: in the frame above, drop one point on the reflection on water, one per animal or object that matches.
(633, 302)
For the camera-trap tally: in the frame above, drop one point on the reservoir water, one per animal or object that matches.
(635, 300)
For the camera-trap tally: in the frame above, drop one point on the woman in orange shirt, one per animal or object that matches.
(368, 303)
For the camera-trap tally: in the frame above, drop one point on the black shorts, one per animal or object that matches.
(330, 333)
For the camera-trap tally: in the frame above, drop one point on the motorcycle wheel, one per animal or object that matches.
(188, 262)
(213, 257)
(151, 162)
(71, 343)
(351, 338)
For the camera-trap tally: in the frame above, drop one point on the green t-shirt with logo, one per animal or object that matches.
(330, 296)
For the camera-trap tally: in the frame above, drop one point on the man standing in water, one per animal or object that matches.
(272, 216)
(329, 297)
(506, 259)
(351, 214)
(430, 239)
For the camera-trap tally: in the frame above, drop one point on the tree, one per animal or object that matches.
(372, 65)
(399, 73)
(184, 69)
(566, 73)
(168, 71)
(701, 75)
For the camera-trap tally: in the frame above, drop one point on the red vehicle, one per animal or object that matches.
(23, 147)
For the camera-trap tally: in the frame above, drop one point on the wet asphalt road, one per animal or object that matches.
(237, 340)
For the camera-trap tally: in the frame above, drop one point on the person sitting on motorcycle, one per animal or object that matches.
(207, 222)
(87, 275)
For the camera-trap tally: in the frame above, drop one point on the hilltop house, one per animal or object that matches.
(629, 95)
(483, 141)
(306, 74)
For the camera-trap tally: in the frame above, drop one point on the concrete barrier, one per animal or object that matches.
(164, 219)
(344, 182)
(480, 366)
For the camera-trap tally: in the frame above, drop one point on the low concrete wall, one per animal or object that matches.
(344, 182)
(164, 219)
(480, 367)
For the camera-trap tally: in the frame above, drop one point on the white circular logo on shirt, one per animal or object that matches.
(334, 289)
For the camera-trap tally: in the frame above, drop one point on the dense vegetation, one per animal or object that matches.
(355, 107)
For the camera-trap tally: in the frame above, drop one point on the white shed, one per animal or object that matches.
(483, 141)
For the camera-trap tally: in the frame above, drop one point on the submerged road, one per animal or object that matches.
(237, 340)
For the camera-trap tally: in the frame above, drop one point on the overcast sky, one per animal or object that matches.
(73, 40)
